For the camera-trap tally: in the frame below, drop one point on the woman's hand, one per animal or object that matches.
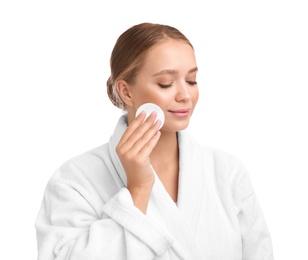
(134, 149)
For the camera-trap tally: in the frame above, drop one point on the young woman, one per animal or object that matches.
(150, 193)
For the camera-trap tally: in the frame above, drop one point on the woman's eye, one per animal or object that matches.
(164, 85)
(192, 82)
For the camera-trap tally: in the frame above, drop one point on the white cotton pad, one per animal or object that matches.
(149, 108)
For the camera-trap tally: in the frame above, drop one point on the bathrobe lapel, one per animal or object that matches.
(113, 142)
(191, 179)
(181, 219)
(162, 208)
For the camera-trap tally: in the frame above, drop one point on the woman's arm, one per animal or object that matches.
(69, 226)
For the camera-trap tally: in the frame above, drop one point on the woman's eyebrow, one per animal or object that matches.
(163, 72)
(172, 72)
(193, 70)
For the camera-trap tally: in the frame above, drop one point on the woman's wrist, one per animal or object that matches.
(141, 196)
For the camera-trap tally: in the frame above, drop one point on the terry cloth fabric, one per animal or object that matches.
(87, 213)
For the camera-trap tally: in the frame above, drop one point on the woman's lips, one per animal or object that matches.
(181, 112)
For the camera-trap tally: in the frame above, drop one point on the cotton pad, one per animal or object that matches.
(148, 108)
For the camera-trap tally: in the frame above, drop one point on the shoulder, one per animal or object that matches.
(224, 169)
(223, 163)
(83, 165)
(230, 170)
(230, 173)
(221, 158)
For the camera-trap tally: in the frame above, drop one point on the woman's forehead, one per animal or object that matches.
(170, 55)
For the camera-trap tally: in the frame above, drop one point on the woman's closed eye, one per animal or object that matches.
(165, 85)
(191, 82)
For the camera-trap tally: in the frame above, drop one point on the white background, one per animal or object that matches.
(253, 66)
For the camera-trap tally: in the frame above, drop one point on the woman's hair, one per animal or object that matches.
(130, 50)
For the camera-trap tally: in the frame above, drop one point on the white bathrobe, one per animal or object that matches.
(87, 212)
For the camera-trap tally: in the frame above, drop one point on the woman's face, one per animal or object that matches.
(168, 79)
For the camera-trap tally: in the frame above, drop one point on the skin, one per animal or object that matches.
(168, 79)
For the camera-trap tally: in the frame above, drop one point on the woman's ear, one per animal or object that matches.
(125, 92)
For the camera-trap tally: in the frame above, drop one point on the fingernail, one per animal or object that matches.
(153, 114)
(158, 122)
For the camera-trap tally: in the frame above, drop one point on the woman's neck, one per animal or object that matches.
(166, 148)
(165, 161)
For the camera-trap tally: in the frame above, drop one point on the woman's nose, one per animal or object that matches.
(183, 93)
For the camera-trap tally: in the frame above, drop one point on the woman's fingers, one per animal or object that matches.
(139, 133)
(145, 144)
(133, 126)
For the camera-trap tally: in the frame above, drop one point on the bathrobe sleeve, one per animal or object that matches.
(75, 222)
(256, 240)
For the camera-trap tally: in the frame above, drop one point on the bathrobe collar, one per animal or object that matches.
(180, 219)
